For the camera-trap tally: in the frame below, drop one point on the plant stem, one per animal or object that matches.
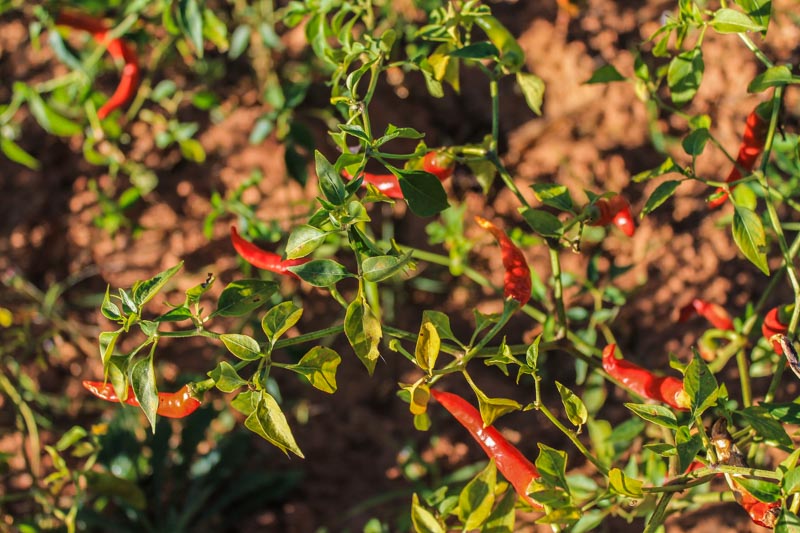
(744, 377)
(558, 292)
(657, 518)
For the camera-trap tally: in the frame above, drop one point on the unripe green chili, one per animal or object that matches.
(511, 54)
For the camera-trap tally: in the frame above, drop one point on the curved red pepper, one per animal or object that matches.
(386, 183)
(755, 133)
(615, 210)
(772, 326)
(762, 513)
(262, 258)
(514, 466)
(438, 163)
(170, 404)
(666, 389)
(517, 278)
(714, 313)
(117, 48)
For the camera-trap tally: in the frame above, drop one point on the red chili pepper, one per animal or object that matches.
(762, 513)
(715, 314)
(170, 404)
(615, 210)
(261, 258)
(517, 278)
(514, 466)
(438, 163)
(665, 389)
(386, 183)
(773, 325)
(755, 133)
(117, 48)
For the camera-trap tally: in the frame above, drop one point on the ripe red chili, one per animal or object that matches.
(517, 278)
(386, 183)
(715, 314)
(514, 466)
(440, 164)
(170, 404)
(773, 325)
(755, 133)
(665, 389)
(615, 210)
(117, 48)
(261, 258)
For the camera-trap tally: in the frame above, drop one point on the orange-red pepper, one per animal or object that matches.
(117, 48)
(514, 466)
(438, 163)
(262, 258)
(517, 279)
(615, 210)
(714, 313)
(755, 133)
(773, 325)
(386, 183)
(665, 389)
(170, 404)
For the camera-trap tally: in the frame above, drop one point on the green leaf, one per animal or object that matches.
(701, 386)
(479, 50)
(192, 150)
(605, 74)
(108, 308)
(502, 518)
(493, 408)
(619, 483)
(423, 520)
(477, 498)
(242, 346)
(573, 406)
(695, 142)
(15, 153)
(788, 522)
(175, 315)
(303, 240)
(766, 427)
(667, 167)
(144, 291)
(731, 21)
(759, 10)
(143, 381)
(552, 465)
(428, 345)
(791, 481)
(687, 446)
(662, 193)
(788, 413)
(330, 183)
(384, 266)
(279, 319)
(533, 89)
(422, 191)
(542, 222)
(588, 521)
(363, 330)
(748, 233)
(684, 75)
(772, 77)
(246, 402)
(215, 30)
(241, 297)
(553, 195)
(103, 484)
(321, 272)
(269, 422)
(48, 119)
(764, 491)
(191, 21)
(107, 341)
(442, 323)
(194, 294)
(226, 378)
(240, 40)
(657, 414)
(319, 366)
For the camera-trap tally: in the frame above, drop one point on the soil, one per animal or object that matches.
(356, 441)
